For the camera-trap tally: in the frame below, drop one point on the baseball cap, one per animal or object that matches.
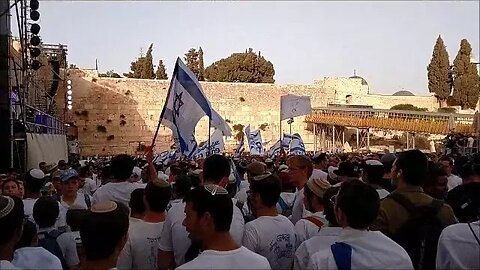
(68, 174)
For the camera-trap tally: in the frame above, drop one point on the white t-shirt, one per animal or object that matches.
(241, 195)
(116, 191)
(79, 203)
(272, 237)
(4, 264)
(28, 208)
(298, 207)
(141, 249)
(305, 229)
(35, 258)
(457, 247)
(175, 236)
(324, 238)
(319, 174)
(89, 187)
(370, 250)
(67, 243)
(240, 258)
(287, 198)
(382, 193)
(453, 181)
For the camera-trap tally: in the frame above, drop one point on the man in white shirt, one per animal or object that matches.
(120, 189)
(314, 192)
(270, 234)
(34, 181)
(356, 207)
(141, 249)
(209, 212)
(299, 170)
(45, 213)
(253, 169)
(459, 247)
(373, 171)
(11, 227)
(71, 198)
(174, 241)
(320, 166)
(86, 184)
(453, 180)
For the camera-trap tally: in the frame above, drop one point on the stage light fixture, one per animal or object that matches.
(34, 4)
(69, 102)
(69, 82)
(69, 97)
(35, 28)
(69, 87)
(34, 15)
(35, 41)
(69, 107)
(34, 52)
(69, 92)
(36, 65)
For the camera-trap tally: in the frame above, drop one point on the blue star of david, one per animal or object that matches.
(177, 104)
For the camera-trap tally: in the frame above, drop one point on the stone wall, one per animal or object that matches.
(129, 109)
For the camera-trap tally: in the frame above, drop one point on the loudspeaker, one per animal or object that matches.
(56, 77)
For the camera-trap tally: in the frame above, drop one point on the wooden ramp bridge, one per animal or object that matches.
(367, 119)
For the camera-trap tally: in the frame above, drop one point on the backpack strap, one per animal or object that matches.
(342, 253)
(87, 201)
(314, 220)
(282, 204)
(433, 207)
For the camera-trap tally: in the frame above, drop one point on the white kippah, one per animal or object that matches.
(36, 173)
(9, 204)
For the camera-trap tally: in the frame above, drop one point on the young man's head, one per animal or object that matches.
(447, 163)
(75, 218)
(62, 165)
(104, 232)
(470, 172)
(45, 212)
(435, 184)
(183, 185)
(11, 222)
(373, 172)
(356, 205)
(216, 170)
(410, 168)
(29, 236)
(329, 207)
(314, 194)
(208, 211)
(34, 181)
(42, 166)
(320, 161)
(264, 192)
(137, 204)
(69, 181)
(121, 167)
(157, 195)
(300, 169)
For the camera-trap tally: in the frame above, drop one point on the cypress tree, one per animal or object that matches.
(439, 75)
(201, 67)
(466, 79)
(147, 71)
(161, 73)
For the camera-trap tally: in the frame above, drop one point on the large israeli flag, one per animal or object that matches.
(254, 141)
(275, 149)
(185, 105)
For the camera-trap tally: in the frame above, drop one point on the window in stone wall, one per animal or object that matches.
(348, 99)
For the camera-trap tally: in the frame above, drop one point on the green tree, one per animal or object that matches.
(110, 74)
(201, 67)
(136, 68)
(161, 73)
(465, 78)
(439, 75)
(147, 71)
(408, 107)
(241, 67)
(191, 57)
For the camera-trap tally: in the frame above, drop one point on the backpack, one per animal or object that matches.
(49, 242)
(420, 233)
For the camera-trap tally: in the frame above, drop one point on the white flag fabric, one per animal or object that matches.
(240, 148)
(217, 146)
(274, 151)
(297, 147)
(185, 105)
(292, 105)
(161, 158)
(254, 141)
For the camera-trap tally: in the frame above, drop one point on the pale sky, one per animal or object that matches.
(388, 43)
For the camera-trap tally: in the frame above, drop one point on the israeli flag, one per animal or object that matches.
(254, 141)
(185, 105)
(217, 146)
(275, 149)
(161, 158)
(297, 147)
(240, 148)
(287, 139)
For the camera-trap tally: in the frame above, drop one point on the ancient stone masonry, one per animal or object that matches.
(129, 109)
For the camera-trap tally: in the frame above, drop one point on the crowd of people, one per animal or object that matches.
(346, 211)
